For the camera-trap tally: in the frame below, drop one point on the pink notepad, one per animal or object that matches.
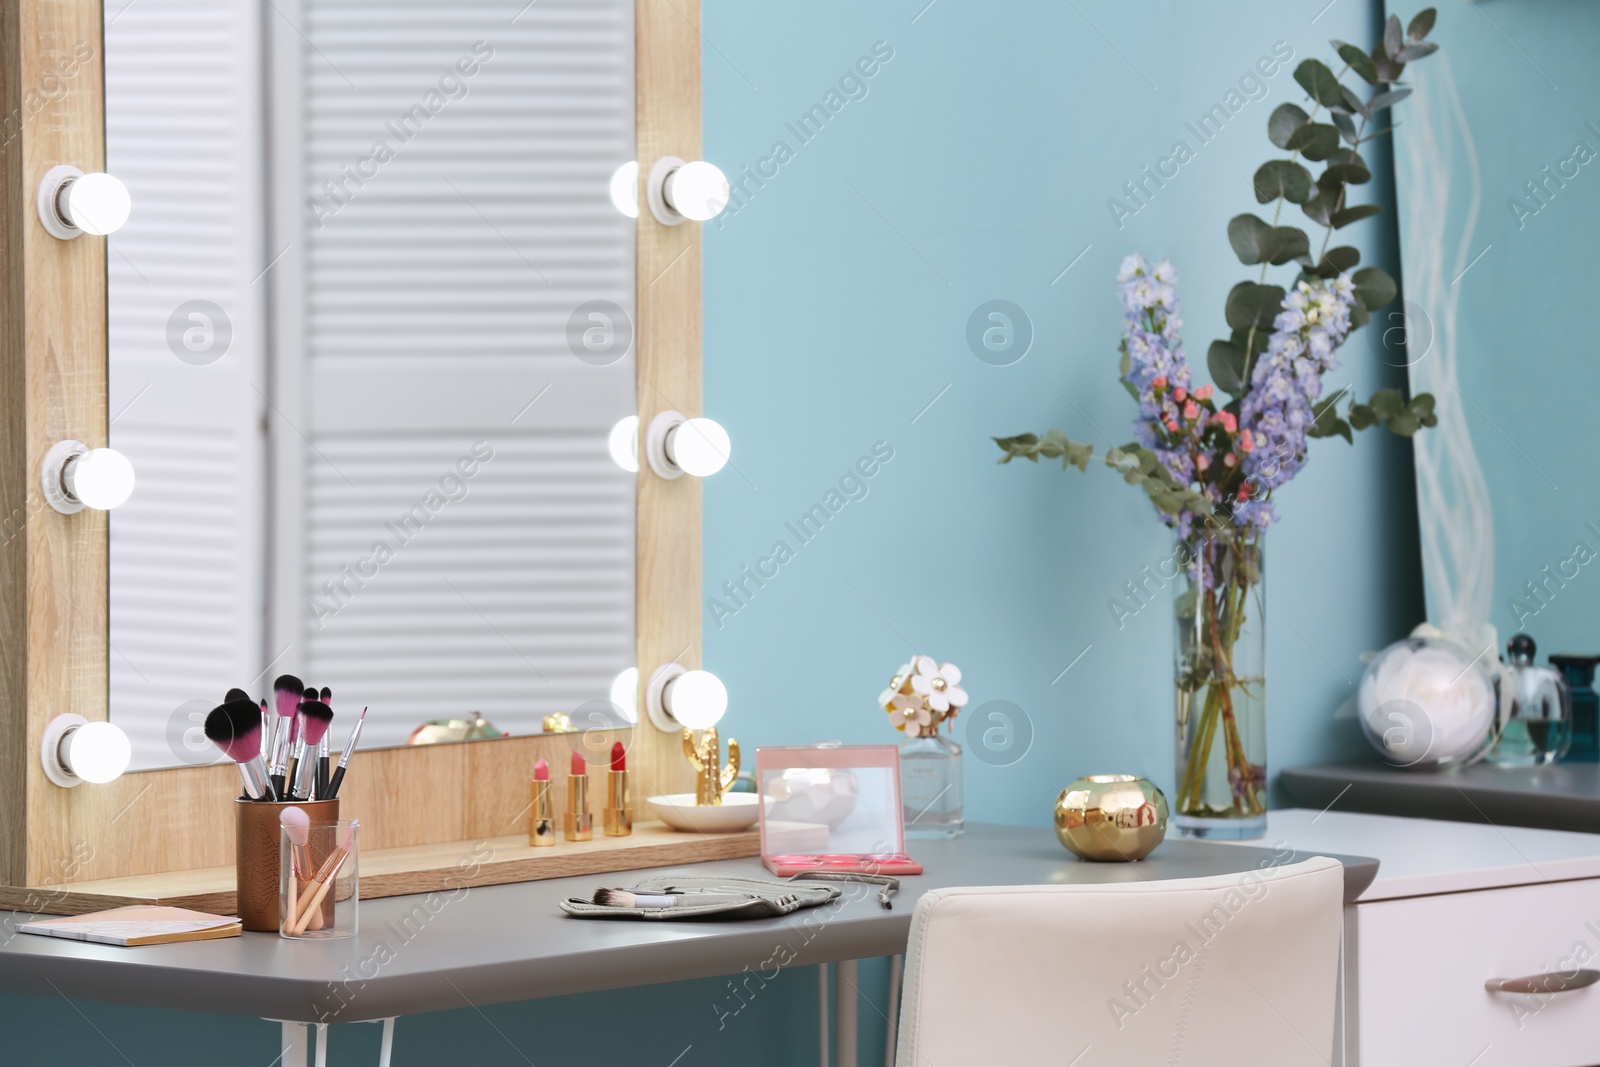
(137, 925)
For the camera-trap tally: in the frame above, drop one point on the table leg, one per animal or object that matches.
(892, 1030)
(293, 1044)
(388, 1043)
(844, 1009)
(826, 1041)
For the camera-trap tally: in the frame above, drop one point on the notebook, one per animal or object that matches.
(137, 925)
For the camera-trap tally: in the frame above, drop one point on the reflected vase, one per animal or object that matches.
(1220, 686)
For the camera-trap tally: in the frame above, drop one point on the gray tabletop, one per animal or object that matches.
(1562, 796)
(506, 943)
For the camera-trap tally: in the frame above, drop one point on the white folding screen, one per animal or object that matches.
(452, 536)
(185, 320)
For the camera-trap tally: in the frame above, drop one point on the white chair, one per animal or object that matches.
(1236, 970)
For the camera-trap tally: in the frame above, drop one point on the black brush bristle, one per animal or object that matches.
(236, 694)
(229, 722)
(288, 683)
(316, 709)
(326, 695)
(310, 693)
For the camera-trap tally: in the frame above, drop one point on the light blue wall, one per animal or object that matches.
(977, 167)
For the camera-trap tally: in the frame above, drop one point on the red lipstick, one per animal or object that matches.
(542, 818)
(579, 819)
(618, 814)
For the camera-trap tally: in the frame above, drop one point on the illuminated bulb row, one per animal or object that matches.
(75, 750)
(675, 445)
(681, 699)
(676, 190)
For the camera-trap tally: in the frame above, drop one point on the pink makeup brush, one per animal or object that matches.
(315, 717)
(297, 824)
(326, 876)
(286, 702)
(235, 727)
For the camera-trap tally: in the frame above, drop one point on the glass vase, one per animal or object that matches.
(1221, 689)
(930, 786)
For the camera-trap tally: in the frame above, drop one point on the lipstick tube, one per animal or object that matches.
(579, 820)
(618, 814)
(542, 819)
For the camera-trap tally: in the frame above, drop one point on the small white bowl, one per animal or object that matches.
(738, 811)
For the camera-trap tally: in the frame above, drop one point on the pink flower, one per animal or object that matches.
(1191, 410)
(1246, 441)
(1172, 426)
(1180, 394)
(1244, 491)
(1226, 420)
(1160, 381)
(1202, 463)
(1230, 460)
(1203, 393)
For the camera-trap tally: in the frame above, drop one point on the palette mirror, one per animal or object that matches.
(1499, 193)
(370, 332)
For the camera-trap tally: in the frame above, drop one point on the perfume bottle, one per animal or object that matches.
(1579, 671)
(1535, 709)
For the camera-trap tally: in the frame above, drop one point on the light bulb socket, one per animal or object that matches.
(655, 697)
(655, 444)
(52, 476)
(55, 221)
(655, 191)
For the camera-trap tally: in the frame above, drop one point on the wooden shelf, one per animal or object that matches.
(393, 872)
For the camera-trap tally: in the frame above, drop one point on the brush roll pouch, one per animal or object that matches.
(754, 898)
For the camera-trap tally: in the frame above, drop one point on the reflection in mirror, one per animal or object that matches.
(370, 332)
(1496, 181)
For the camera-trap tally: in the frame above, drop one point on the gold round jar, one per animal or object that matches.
(1111, 817)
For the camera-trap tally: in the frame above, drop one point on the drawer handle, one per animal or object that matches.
(1552, 982)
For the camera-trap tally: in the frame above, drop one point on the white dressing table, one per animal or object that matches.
(1453, 906)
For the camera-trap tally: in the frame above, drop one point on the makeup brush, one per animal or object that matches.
(326, 697)
(344, 759)
(297, 824)
(315, 716)
(285, 701)
(236, 694)
(327, 875)
(297, 744)
(235, 727)
(627, 898)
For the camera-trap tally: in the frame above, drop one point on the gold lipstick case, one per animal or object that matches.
(542, 817)
(579, 821)
(618, 814)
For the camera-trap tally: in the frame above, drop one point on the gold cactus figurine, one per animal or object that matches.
(711, 778)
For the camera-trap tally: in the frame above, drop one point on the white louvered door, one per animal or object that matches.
(442, 207)
(184, 132)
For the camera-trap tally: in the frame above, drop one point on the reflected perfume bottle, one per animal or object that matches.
(1535, 710)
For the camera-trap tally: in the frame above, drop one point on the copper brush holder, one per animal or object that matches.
(257, 858)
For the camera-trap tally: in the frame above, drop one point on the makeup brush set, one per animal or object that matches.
(282, 752)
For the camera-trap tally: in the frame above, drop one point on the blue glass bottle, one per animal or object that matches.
(1579, 671)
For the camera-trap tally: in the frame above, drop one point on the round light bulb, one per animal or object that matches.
(625, 693)
(623, 444)
(96, 752)
(101, 478)
(697, 699)
(625, 189)
(700, 446)
(697, 190)
(96, 203)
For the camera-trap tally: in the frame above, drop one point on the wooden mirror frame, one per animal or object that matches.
(102, 844)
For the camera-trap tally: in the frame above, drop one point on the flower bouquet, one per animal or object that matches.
(1212, 467)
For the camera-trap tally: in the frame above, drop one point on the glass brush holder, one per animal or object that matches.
(319, 887)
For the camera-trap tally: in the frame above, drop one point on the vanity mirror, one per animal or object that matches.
(1495, 170)
(370, 328)
(421, 356)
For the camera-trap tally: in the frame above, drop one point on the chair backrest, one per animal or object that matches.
(1238, 970)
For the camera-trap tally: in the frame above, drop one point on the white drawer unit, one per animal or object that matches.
(1421, 964)
(1454, 908)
